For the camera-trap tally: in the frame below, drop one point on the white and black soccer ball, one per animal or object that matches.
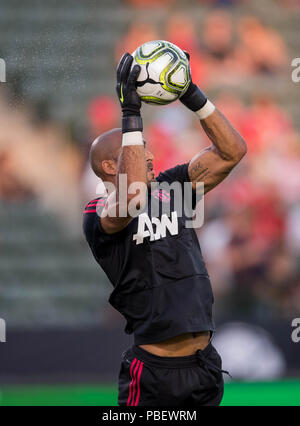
(165, 72)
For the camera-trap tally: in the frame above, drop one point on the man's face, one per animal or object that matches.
(150, 169)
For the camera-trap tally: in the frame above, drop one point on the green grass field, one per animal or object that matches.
(286, 393)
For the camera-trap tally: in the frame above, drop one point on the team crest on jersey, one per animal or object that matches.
(161, 194)
(155, 228)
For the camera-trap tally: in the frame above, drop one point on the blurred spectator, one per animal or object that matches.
(234, 109)
(11, 187)
(217, 36)
(103, 115)
(219, 48)
(271, 124)
(138, 33)
(292, 236)
(290, 4)
(264, 124)
(187, 40)
(37, 160)
(261, 49)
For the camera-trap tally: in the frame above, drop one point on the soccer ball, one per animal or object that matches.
(165, 72)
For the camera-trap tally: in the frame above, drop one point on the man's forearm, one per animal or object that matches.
(226, 140)
(230, 145)
(132, 166)
(214, 163)
(132, 163)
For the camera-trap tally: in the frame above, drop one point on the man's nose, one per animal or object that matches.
(149, 156)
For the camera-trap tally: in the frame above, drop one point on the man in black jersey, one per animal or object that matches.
(154, 261)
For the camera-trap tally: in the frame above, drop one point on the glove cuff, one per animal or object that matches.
(130, 111)
(193, 98)
(132, 123)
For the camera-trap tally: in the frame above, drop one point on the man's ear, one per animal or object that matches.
(109, 167)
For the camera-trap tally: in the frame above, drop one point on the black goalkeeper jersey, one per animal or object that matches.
(161, 285)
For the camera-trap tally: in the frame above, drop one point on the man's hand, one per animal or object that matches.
(126, 90)
(193, 98)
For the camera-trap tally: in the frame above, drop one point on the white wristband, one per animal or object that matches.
(132, 138)
(206, 111)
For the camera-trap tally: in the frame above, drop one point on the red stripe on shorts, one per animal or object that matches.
(130, 386)
(134, 383)
(138, 383)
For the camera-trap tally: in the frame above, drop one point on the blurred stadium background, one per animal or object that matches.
(63, 340)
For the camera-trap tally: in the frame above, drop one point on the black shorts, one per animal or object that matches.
(150, 380)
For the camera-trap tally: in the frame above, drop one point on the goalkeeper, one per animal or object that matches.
(155, 264)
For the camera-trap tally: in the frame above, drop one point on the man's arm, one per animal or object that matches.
(214, 163)
(132, 164)
(115, 215)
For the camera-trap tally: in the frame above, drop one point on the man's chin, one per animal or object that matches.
(150, 179)
(150, 176)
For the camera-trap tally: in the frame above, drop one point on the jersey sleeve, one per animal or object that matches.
(178, 173)
(92, 229)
